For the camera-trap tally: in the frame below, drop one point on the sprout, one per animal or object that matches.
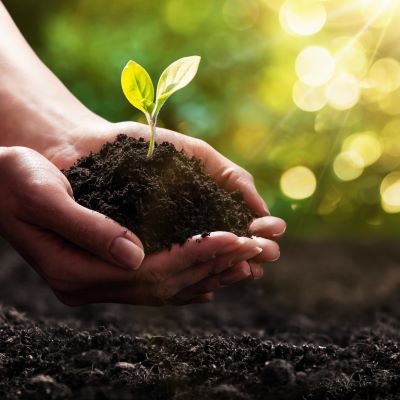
(138, 88)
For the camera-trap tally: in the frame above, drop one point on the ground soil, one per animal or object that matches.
(324, 323)
(164, 200)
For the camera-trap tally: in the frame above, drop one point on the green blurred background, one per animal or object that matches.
(303, 93)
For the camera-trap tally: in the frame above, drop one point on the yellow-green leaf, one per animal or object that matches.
(138, 87)
(175, 77)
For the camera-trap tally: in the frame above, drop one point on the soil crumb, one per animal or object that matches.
(164, 200)
(325, 326)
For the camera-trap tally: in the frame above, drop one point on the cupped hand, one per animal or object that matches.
(86, 257)
(266, 229)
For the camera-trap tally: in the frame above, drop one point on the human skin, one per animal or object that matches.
(84, 256)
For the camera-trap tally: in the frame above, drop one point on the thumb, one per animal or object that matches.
(93, 231)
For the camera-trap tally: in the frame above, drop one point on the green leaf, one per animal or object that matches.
(175, 77)
(138, 87)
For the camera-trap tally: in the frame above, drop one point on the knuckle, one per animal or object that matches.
(201, 143)
(250, 177)
(246, 175)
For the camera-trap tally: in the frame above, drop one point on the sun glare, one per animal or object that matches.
(347, 65)
(315, 66)
(344, 67)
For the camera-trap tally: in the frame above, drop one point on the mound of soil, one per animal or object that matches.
(164, 200)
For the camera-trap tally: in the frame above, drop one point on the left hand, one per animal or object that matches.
(266, 229)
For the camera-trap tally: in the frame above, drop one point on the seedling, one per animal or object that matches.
(139, 90)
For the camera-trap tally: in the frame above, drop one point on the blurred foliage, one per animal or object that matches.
(303, 93)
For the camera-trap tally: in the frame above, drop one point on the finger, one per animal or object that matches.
(233, 275)
(235, 178)
(197, 273)
(238, 272)
(268, 227)
(90, 230)
(63, 264)
(232, 177)
(257, 271)
(270, 250)
(198, 250)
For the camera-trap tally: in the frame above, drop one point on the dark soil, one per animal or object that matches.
(164, 200)
(325, 326)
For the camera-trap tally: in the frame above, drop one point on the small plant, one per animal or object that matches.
(139, 90)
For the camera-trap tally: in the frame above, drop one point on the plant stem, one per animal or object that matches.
(152, 126)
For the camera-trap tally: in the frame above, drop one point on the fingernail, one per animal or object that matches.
(126, 253)
(247, 255)
(277, 258)
(256, 272)
(279, 234)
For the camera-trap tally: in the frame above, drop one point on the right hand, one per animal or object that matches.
(71, 247)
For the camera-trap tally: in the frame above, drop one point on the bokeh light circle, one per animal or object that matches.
(302, 17)
(298, 183)
(391, 138)
(343, 92)
(366, 145)
(348, 165)
(390, 193)
(315, 66)
(384, 75)
(308, 98)
(350, 56)
(389, 104)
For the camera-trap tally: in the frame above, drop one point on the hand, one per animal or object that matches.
(266, 229)
(86, 257)
(72, 246)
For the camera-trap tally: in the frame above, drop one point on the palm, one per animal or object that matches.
(211, 271)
